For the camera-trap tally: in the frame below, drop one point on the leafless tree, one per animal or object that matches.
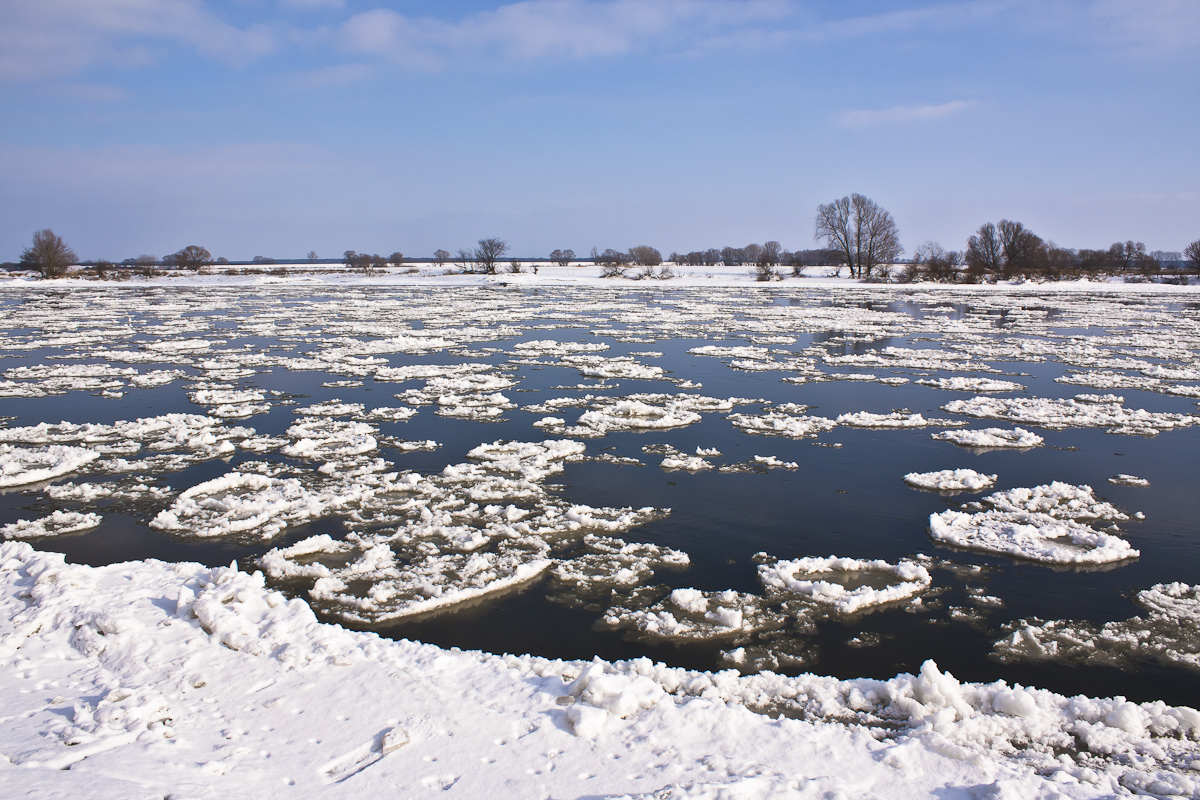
(771, 252)
(350, 258)
(752, 253)
(1131, 256)
(488, 254)
(984, 251)
(862, 230)
(440, 257)
(514, 265)
(263, 260)
(465, 260)
(645, 256)
(193, 257)
(562, 257)
(1192, 254)
(1022, 249)
(396, 258)
(312, 256)
(49, 254)
(103, 267)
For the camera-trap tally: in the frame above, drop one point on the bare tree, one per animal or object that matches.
(645, 256)
(771, 253)
(49, 254)
(752, 253)
(562, 257)
(312, 256)
(103, 267)
(488, 253)
(193, 257)
(440, 257)
(465, 260)
(859, 228)
(1131, 256)
(1192, 254)
(350, 258)
(984, 251)
(1023, 249)
(396, 258)
(514, 265)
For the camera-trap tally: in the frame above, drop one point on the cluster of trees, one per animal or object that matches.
(1008, 249)
(485, 258)
(861, 231)
(365, 261)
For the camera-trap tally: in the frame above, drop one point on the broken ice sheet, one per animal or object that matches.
(1168, 632)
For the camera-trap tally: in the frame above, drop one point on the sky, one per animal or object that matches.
(276, 127)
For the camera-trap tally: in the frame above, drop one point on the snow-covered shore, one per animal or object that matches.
(149, 679)
(575, 274)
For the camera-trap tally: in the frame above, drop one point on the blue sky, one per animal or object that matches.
(275, 127)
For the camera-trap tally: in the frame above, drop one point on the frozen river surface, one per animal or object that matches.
(838, 481)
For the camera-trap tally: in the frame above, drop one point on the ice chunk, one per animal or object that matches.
(57, 524)
(844, 585)
(1033, 536)
(24, 465)
(951, 480)
(988, 438)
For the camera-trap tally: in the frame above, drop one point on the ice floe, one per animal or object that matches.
(991, 438)
(56, 524)
(1054, 414)
(951, 480)
(25, 465)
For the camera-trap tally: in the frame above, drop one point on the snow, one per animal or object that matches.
(1123, 479)
(146, 679)
(1169, 631)
(1055, 414)
(826, 582)
(964, 384)
(57, 524)
(25, 465)
(950, 480)
(988, 438)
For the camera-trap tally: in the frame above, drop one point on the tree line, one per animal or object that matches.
(857, 233)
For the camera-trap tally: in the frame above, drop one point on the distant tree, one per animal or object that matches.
(1131, 256)
(609, 256)
(465, 260)
(771, 253)
(350, 258)
(562, 257)
(645, 256)
(193, 257)
(984, 251)
(396, 258)
(731, 256)
(143, 265)
(49, 254)
(862, 230)
(1022, 249)
(1095, 261)
(488, 254)
(222, 260)
(1166, 255)
(312, 256)
(440, 257)
(263, 260)
(933, 262)
(103, 267)
(1192, 254)
(752, 253)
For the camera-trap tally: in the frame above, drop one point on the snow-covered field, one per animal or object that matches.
(150, 679)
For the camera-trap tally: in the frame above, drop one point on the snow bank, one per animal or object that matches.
(183, 677)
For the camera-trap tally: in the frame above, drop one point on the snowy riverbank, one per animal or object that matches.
(149, 679)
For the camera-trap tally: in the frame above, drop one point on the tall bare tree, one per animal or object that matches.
(771, 252)
(312, 256)
(1192, 254)
(861, 230)
(1022, 249)
(488, 253)
(440, 257)
(49, 254)
(562, 257)
(984, 251)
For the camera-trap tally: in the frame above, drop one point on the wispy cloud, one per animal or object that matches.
(899, 115)
(550, 29)
(53, 38)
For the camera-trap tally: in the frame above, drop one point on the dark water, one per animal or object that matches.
(846, 501)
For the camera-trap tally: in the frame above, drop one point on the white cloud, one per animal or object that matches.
(53, 38)
(897, 115)
(549, 29)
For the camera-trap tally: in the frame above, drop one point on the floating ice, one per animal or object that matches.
(1169, 632)
(58, 523)
(988, 438)
(25, 465)
(962, 384)
(1051, 413)
(844, 585)
(691, 614)
(896, 419)
(1128, 480)
(1033, 536)
(950, 480)
(788, 419)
